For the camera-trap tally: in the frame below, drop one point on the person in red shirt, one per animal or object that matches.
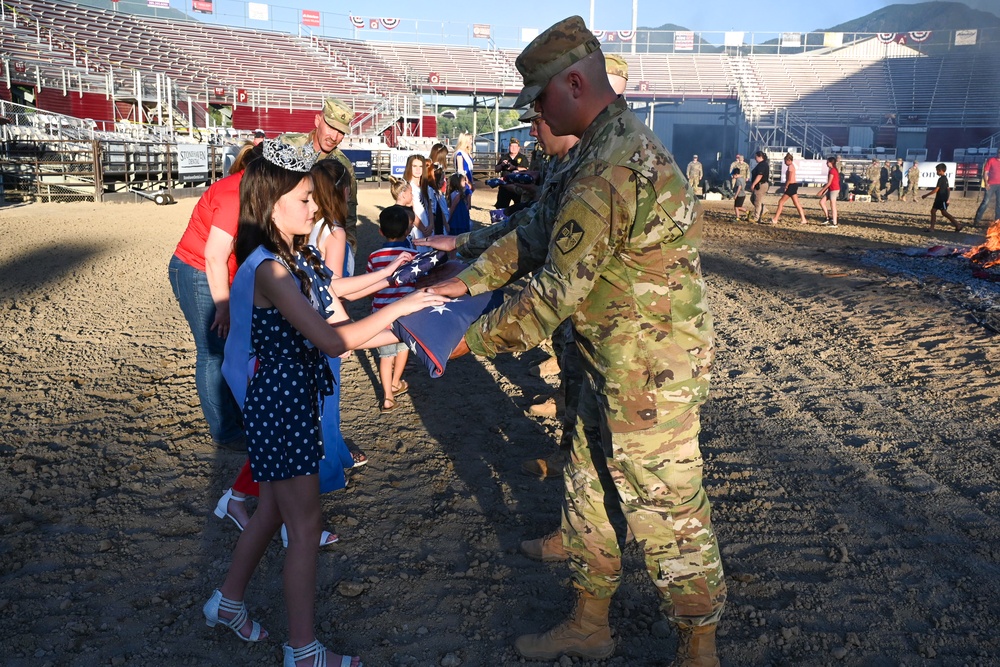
(201, 269)
(991, 189)
(830, 192)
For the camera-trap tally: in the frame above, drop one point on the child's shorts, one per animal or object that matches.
(940, 205)
(391, 350)
(738, 202)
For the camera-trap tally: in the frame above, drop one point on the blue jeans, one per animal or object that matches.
(190, 286)
(994, 192)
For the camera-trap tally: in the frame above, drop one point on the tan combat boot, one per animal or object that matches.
(696, 646)
(585, 635)
(548, 549)
(547, 368)
(548, 468)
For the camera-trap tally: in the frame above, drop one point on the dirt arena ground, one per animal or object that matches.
(851, 449)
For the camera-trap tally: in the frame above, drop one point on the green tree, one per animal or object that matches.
(462, 122)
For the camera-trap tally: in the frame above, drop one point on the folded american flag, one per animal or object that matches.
(433, 333)
(418, 267)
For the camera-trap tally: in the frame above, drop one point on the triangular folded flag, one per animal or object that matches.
(418, 267)
(433, 333)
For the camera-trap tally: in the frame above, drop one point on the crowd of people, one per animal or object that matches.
(605, 228)
(880, 180)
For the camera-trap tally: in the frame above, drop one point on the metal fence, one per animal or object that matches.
(63, 171)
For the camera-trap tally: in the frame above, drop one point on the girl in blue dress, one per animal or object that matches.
(276, 321)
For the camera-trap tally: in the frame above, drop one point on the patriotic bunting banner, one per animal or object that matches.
(389, 24)
(357, 22)
(599, 34)
(886, 37)
(626, 35)
(920, 35)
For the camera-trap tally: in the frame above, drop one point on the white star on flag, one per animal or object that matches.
(434, 260)
(415, 269)
(440, 310)
(413, 346)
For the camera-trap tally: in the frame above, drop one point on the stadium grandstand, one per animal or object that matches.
(113, 94)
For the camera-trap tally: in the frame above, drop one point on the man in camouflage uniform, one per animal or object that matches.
(741, 164)
(622, 264)
(332, 123)
(744, 169)
(872, 173)
(694, 173)
(617, 69)
(912, 181)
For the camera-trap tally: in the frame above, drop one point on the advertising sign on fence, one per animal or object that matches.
(192, 162)
(257, 11)
(203, 6)
(481, 31)
(310, 17)
(362, 163)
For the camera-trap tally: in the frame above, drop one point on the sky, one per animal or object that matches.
(451, 22)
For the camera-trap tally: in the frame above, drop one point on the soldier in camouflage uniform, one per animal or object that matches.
(912, 180)
(331, 125)
(742, 165)
(622, 264)
(872, 173)
(694, 172)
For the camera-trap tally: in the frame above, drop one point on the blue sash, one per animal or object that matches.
(239, 362)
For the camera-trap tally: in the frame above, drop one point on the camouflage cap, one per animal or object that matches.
(528, 115)
(337, 115)
(562, 45)
(616, 65)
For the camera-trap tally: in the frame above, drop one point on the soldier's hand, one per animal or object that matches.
(438, 242)
(452, 287)
(461, 350)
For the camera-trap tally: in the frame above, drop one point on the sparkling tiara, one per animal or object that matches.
(292, 158)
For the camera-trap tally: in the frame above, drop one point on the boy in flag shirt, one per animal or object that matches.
(394, 224)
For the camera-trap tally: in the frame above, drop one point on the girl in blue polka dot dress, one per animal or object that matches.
(276, 306)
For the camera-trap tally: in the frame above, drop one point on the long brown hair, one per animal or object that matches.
(408, 170)
(429, 184)
(242, 158)
(329, 180)
(262, 186)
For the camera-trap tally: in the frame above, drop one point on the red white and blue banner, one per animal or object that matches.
(614, 35)
(360, 23)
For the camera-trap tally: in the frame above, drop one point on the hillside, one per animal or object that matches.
(921, 16)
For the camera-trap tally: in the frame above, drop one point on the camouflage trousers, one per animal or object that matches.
(873, 190)
(653, 477)
(911, 190)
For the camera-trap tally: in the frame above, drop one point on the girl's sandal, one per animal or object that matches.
(387, 408)
(317, 652)
(217, 603)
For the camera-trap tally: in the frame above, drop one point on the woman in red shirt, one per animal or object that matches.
(201, 269)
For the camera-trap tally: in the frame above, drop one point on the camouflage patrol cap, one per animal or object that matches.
(562, 45)
(337, 115)
(616, 65)
(528, 115)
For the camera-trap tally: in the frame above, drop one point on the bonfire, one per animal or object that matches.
(987, 255)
